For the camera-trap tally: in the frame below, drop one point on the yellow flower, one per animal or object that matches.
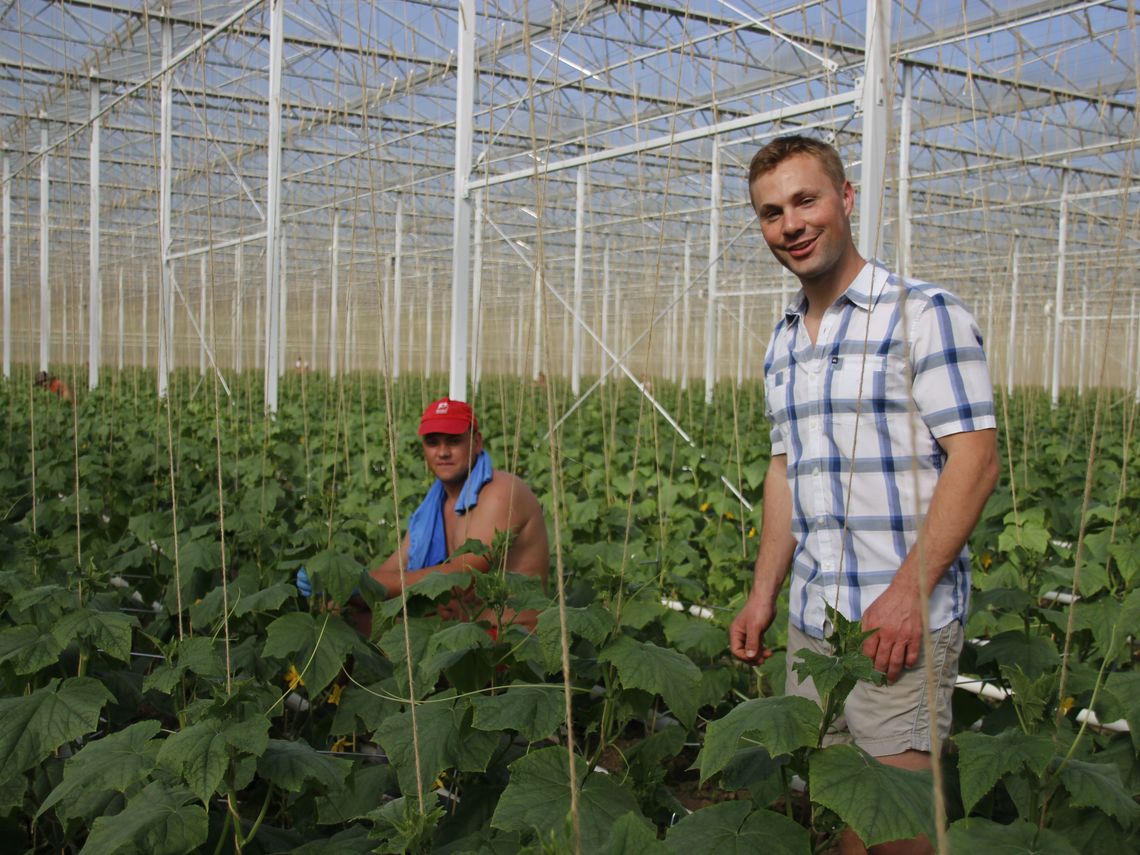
(728, 515)
(987, 560)
(343, 744)
(705, 506)
(334, 695)
(1067, 704)
(292, 678)
(752, 531)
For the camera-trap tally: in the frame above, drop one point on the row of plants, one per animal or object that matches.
(166, 689)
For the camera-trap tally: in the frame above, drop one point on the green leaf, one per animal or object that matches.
(881, 803)
(658, 670)
(591, 622)
(115, 762)
(199, 654)
(781, 724)
(446, 740)
(361, 792)
(335, 573)
(734, 827)
(317, 646)
(157, 821)
(33, 726)
(535, 712)
(692, 635)
(1036, 654)
(290, 763)
(830, 673)
(976, 834)
(1026, 530)
(633, 833)
(1123, 691)
(1127, 559)
(637, 613)
(28, 649)
(108, 631)
(983, 760)
(267, 600)
(202, 752)
(1098, 785)
(538, 798)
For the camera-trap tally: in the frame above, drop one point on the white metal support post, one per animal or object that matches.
(904, 224)
(686, 310)
(605, 312)
(536, 331)
(579, 246)
(145, 317)
(429, 331)
(461, 227)
(238, 331)
(166, 163)
(6, 225)
(397, 287)
(122, 322)
(45, 287)
(714, 258)
(95, 299)
(313, 329)
(283, 297)
(334, 281)
(202, 315)
(1059, 297)
(273, 298)
(876, 83)
(477, 295)
(1011, 342)
(1084, 342)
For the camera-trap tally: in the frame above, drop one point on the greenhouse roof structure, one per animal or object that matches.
(605, 157)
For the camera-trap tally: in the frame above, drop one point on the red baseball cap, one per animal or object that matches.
(448, 416)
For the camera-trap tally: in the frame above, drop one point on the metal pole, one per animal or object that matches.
(876, 83)
(686, 309)
(145, 317)
(428, 334)
(202, 315)
(714, 261)
(1010, 345)
(273, 248)
(905, 231)
(1058, 308)
(334, 278)
(477, 295)
(238, 332)
(461, 227)
(536, 332)
(1084, 343)
(6, 225)
(579, 247)
(122, 321)
(95, 300)
(313, 330)
(283, 312)
(45, 288)
(605, 311)
(397, 287)
(166, 163)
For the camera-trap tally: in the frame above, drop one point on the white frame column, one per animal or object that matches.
(95, 299)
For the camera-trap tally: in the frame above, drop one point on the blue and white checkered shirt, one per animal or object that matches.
(896, 365)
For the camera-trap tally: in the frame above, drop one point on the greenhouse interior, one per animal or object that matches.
(250, 240)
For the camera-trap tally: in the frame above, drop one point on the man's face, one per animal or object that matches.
(805, 218)
(450, 455)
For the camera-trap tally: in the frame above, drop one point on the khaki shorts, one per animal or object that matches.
(888, 719)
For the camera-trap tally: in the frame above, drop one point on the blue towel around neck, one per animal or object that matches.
(427, 539)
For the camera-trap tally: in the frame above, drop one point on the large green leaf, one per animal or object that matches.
(591, 622)
(33, 726)
(1036, 654)
(446, 740)
(202, 752)
(108, 631)
(157, 821)
(1098, 785)
(430, 585)
(266, 600)
(334, 573)
(734, 827)
(361, 792)
(290, 763)
(984, 759)
(1123, 690)
(631, 833)
(979, 835)
(316, 646)
(199, 654)
(538, 798)
(780, 724)
(658, 670)
(28, 649)
(533, 711)
(694, 636)
(116, 762)
(881, 803)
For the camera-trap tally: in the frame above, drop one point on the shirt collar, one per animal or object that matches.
(864, 291)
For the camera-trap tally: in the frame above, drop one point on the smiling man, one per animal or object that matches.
(883, 456)
(468, 501)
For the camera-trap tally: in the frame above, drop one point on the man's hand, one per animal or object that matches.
(746, 635)
(897, 619)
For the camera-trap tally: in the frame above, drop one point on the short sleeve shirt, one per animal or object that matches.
(897, 364)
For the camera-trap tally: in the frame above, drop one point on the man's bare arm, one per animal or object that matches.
(777, 545)
(967, 479)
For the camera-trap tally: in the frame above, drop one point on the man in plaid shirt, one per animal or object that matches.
(883, 455)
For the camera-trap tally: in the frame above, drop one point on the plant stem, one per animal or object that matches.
(260, 816)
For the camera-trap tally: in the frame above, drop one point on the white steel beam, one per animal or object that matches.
(273, 208)
(877, 84)
(397, 287)
(1059, 298)
(1010, 345)
(45, 287)
(461, 226)
(714, 262)
(6, 226)
(579, 246)
(95, 298)
(477, 295)
(334, 280)
(237, 334)
(166, 300)
(903, 262)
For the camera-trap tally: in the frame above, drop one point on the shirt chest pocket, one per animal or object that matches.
(865, 397)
